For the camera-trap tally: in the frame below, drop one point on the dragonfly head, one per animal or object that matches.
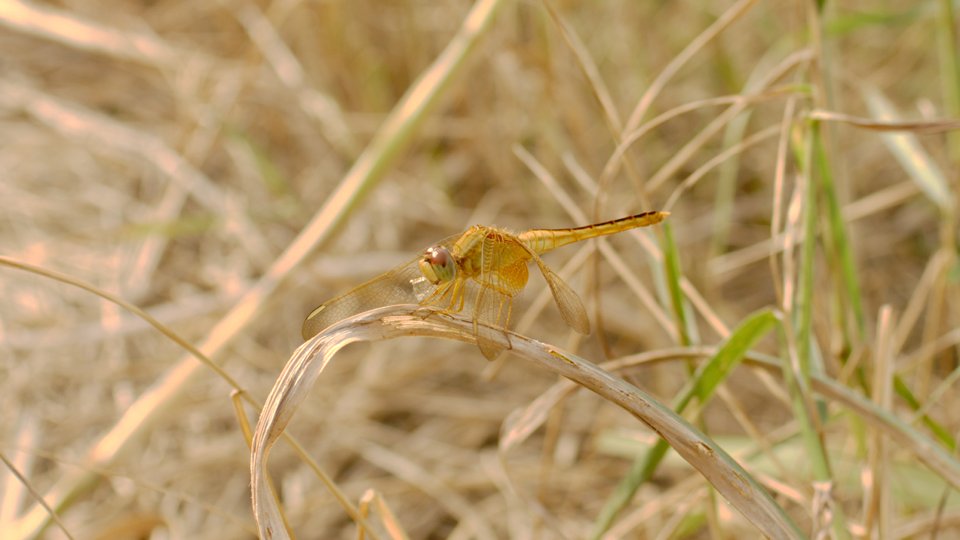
(437, 265)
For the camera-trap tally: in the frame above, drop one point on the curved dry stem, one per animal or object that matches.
(718, 26)
(702, 171)
(302, 370)
(682, 156)
(631, 138)
(922, 127)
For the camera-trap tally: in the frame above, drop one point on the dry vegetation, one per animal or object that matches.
(173, 154)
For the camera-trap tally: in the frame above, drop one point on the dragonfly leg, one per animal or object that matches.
(457, 297)
(437, 294)
(443, 297)
(476, 317)
(462, 299)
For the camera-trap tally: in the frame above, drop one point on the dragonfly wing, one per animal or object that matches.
(571, 308)
(402, 285)
(491, 316)
(495, 287)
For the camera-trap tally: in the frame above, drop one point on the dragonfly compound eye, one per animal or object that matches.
(437, 265)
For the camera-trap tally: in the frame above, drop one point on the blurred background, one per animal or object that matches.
(169, 152)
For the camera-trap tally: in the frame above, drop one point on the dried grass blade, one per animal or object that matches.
(78, 33)
(923, 128)
(912, 157)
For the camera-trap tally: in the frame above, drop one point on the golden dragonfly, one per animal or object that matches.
(477, 272)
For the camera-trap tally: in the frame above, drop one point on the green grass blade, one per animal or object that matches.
(941, 433)
(702, 386)
(732, 352)
(949, 69)
(806, 409)
(673, 274)
(840, 242)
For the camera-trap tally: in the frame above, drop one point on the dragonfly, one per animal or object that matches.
(477, 273)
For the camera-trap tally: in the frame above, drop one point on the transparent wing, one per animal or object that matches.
(402, 285)
(571, 308)
(491, 315)
(495, 286)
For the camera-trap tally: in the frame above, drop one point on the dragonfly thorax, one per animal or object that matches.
(438, 265)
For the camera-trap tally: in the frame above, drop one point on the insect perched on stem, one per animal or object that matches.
(478, 272)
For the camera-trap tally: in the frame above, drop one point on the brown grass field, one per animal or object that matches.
(182, 182)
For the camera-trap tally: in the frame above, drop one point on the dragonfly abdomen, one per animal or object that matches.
(544, 240)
